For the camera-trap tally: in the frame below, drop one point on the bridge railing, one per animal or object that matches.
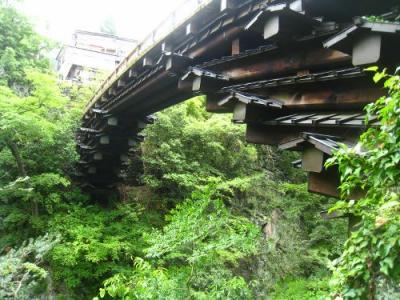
(184, 12)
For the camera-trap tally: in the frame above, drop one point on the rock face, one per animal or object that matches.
(270, 229)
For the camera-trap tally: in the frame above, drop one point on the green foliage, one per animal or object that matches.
(21, 48)
(371, 257)
(96, 243)
(25, 203)
(301, 289)
(386, 18)
(295, 243)
(21, 270)
(148, 282)
(216, 220)
(189, 257)
(188, 148)
(38, 126)
(36, 144)
(145, 282)
(194, 224)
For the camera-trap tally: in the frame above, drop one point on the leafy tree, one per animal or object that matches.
(34, 126)
(95, 244)
(188, 148)
(24, 205)
(21, 270)
(21, 48)
(215, 220)
(36, 145)
(188, 258)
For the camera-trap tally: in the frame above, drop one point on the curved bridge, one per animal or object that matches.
(291, 70)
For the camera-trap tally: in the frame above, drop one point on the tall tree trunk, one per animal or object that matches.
(17, 156)
(22, 171)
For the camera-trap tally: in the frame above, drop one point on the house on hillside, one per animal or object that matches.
(91, 53)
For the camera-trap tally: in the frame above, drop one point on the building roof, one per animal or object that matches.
(104, 35)
(84, 49)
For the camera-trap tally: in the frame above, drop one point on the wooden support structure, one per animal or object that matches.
(290, 71)
(121, 83)
(112, 121)
(105, 140)
(147, 62)
(236, 46)
(98, 156)
(324, 183)
(132, 73)
(213, 104)
(277, 64)
(191, 28)
(204, 84)
(367, 42)
(166, 47)
(124, 158)
(227, 5)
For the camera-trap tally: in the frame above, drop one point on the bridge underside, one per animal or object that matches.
(292, 71)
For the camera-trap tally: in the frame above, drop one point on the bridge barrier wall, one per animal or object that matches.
(182, 14)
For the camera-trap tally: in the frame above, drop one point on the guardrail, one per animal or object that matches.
(184, 12)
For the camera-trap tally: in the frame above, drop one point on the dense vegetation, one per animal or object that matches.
(369, 265)
(215, 218)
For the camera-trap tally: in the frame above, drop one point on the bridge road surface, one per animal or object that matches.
(292, 71)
